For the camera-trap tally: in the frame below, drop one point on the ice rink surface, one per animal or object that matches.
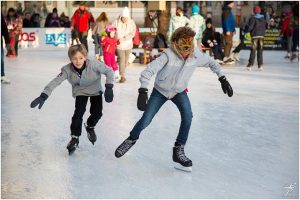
(246, 146)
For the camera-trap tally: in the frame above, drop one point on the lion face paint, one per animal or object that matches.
(185, 44)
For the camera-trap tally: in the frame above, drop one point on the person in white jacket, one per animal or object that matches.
(126, 28)
(197, 23)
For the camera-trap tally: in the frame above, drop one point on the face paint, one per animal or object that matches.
(185, 44)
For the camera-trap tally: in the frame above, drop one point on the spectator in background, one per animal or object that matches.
(81, 21)
(177, 21)
(64, 20)
(228, 25)
(287, 33)
(272, 25)
(210, 40)
(126, 29)
(14, 26)
(19, 9)
(5, 35)
(295, 26)
(35, 20)
(27, 20)
(54, 20)
(54, 10)
(257, 28)
(197, 23)
(99, 28)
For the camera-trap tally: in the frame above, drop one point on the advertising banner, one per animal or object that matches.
(272, 40)
(44, 38)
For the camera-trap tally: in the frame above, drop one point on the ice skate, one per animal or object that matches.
(73, 144)
(124, 147)
(249, 67)
(91, 133)
(181, 161)
(260, 68)
(5, 80)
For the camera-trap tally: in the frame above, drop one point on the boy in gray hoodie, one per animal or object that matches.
(85, 77)
(174, 69)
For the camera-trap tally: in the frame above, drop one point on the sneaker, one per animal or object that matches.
(122, 79)
(288, 56)
(228, 61)
(179, 157)
(5, 80)
(219, 61)
(294, 56)
(124, 147)
(236, 57)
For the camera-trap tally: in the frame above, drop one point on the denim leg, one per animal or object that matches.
(183, 104)
(221, 52)
(155, 102)
(215, 51)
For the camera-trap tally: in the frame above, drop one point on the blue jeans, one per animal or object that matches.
(155, 102)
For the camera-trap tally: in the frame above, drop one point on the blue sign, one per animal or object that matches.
(56, 39)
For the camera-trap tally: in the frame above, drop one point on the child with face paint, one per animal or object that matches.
(85, 77)
(174, 69)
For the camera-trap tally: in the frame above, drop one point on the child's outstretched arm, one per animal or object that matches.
(206, 61)
(152, 68)
(48, 89)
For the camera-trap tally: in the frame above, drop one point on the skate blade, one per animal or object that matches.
(182, 168)
(72, 150)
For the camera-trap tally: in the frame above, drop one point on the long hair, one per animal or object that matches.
(12, 10)
(102, 17)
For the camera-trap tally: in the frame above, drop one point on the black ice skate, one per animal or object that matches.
(91, 133)
(124, 147)
(182, 162)
(73, 144)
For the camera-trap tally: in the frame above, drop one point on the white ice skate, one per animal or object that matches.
(180, 167)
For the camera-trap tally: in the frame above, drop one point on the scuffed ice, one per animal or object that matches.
(246, 146)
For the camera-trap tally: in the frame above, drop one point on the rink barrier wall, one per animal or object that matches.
(60, 38)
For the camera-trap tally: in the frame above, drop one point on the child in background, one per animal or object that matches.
(109, 44)
(85, 77)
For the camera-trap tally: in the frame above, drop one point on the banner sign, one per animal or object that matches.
(272, 40)
(44, 38)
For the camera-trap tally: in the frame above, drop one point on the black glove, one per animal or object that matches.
(142, 99)
(109, 94)
(40, 100)
(226, 87)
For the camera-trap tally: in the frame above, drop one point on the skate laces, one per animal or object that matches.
(123, 148)
(181, 155)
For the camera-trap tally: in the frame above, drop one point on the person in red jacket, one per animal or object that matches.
(109, 44)
(81, 20)
(287, 33)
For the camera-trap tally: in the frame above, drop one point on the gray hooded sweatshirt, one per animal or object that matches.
(174, 73)
(86, 84)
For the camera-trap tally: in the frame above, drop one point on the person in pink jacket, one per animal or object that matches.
(125, 32)
(109, 44)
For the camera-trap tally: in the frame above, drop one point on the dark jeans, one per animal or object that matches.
(83, 39)
(80, 106)
(2, 60)
(257, 45)
(295, 39)
(155, 102)
(98, 47)
(216, 50)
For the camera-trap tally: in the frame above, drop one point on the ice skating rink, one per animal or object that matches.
(246, 146)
